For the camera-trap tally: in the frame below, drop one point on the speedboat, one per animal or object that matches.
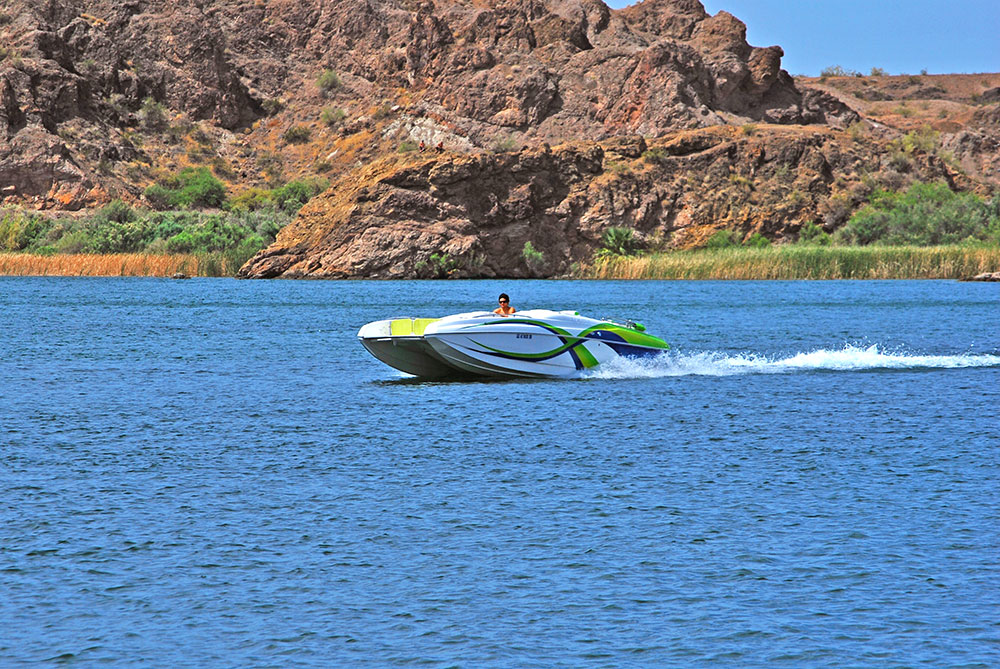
(532, 343)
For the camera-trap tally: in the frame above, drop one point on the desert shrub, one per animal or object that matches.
(740, 181)
(272, 106)
(838, 71)
(273, 166)
(328, 81)
(74, 241)
(924, 139)
(925, 214)
(655, 155)
(505, 145)
(757, 241)
(878, 72)
(384, 110)
(236, 256)
(795, 198)
(153, 115)
(221, 168)
(199, 187)
(297, 134)
(332, 117)
(406, 146)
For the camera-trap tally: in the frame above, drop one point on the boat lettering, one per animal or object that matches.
(524, 336)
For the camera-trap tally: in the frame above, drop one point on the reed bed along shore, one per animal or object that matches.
(113, 264)
(804, 262)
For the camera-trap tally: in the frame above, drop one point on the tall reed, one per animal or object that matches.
(804, 262)
(112, 264)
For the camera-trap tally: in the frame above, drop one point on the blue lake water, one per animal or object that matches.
(214, 472)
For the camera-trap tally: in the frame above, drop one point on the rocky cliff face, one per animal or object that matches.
(74, 75)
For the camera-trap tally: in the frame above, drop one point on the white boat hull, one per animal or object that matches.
(400, 344)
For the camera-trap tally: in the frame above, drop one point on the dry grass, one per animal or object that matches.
(805, 262)
(116, 264)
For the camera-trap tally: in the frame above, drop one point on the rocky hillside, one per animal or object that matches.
(552, 121)
(475, 215)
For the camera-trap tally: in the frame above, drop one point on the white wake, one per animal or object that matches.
(849, 358)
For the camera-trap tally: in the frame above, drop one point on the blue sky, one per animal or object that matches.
(899, 36)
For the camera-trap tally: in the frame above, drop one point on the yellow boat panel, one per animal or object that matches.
(409, 327)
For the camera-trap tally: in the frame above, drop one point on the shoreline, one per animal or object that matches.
(791, 262)
(794, 262)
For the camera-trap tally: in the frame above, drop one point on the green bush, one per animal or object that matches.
(723, 239)
(252, 199)
(237, 256)
(757, 241)
(72, 241)
(294, 194)
(926, 214)
(813, 235)
(19, 230)
(328, 81)
(438, 266)
(107, 236)
(924, 139)
(619, 242)
(119, 212)
(191, 187)
(158, 196)
(533, 258)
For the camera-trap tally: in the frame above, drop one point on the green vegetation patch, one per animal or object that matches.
(191, 187)
(616, 241)
(926, 214)
(230, 238)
